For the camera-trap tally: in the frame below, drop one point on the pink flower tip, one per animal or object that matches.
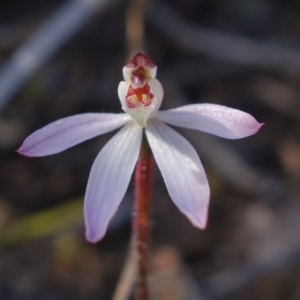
(250, 127)
(199, 222)
(92, 236)
(260, 125)
(21, 152)
(256, 127)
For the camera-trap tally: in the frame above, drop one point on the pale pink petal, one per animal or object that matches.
(109, 179)
(216, 119)
(67, 132)
(182, 171)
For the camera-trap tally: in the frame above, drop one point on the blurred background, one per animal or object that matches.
(60, 58)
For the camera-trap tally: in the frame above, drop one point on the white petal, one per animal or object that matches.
(67, 132)
(109, 179)
(216, 119)
(122, 91)
(157, 90)
(182, 171)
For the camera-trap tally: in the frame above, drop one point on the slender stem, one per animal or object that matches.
(141, 221)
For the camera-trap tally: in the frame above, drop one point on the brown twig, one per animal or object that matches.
(126, 280)
(135, 26)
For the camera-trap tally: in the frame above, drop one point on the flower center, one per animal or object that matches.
(138, 97)
(140, 93)
(138, 78)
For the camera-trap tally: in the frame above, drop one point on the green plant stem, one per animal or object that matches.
(141, 221)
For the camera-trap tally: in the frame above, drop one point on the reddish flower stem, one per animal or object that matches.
(141, 221)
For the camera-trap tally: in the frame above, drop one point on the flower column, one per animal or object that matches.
(140, 104)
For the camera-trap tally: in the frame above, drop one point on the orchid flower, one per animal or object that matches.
(141, 95)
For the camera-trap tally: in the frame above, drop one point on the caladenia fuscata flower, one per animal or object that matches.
(141, 94)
